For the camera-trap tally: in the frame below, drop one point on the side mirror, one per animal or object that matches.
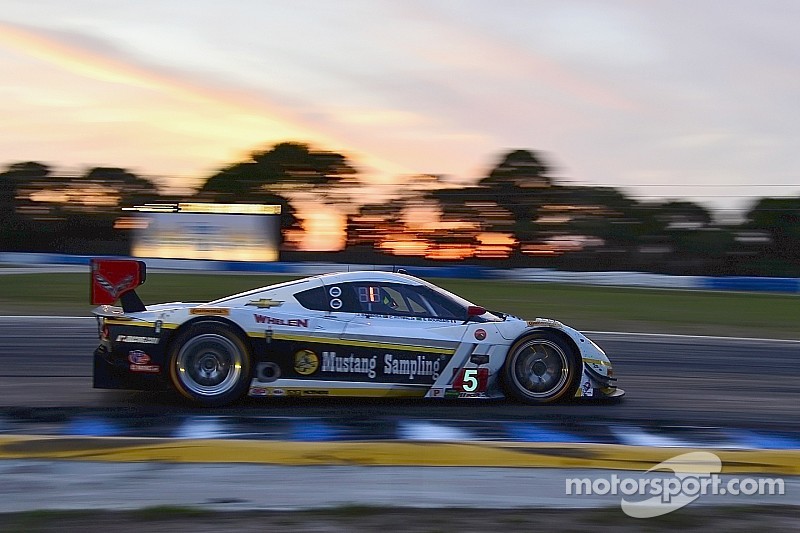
(475, 310)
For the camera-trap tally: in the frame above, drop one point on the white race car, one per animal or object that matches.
(379, 334)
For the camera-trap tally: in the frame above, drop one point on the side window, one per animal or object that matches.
(403, 300)
(395, 300)
(416, 307)
(313, 299)
(379, 299)
(340, 297)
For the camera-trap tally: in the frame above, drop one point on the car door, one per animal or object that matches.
(406, 333)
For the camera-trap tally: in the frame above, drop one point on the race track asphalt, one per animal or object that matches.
(46, 362)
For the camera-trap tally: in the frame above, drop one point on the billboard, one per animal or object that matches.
(229, 232)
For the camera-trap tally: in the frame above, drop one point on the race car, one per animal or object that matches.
(368, 334)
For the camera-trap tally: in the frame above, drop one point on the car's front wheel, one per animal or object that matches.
(210, 364)
(542, 367)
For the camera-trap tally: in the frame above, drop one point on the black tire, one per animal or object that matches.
(542, 367)
(210, 364)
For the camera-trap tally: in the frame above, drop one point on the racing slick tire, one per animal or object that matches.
(542, 367)
(210, 364)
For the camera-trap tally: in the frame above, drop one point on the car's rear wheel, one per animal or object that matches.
(542, 367)
(210, 364)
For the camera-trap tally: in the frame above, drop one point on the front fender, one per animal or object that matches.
(597, 366)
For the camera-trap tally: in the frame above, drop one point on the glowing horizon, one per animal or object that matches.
(659, 98)
(258, 125)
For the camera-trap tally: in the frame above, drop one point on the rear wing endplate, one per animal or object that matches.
(117, 279)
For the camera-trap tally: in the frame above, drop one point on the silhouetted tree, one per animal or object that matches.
(129, 188)
(518, 185)
(373, 222)
(682, 214)
(15, 230)
(280, 174)
(780, 219)
(285, 169)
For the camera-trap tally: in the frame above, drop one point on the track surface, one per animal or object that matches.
(45, 362)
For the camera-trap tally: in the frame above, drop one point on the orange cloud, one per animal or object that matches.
(260, 122)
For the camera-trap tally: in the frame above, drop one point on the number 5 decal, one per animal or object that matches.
(470, 382)
(471, 379)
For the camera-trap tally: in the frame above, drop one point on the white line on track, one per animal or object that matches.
(698, 337)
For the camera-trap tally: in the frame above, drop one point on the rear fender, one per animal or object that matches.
(221, 320)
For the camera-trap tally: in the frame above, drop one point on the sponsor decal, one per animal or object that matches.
(270, 391)
(437, 392)
(222, 311)
(544, 322)
(293, 322)
(412, 318)
(139, 362)
(586, 389)
(265, 303)
(480, 334)
(419, 366)
(138, 357)
(307, 392)
(136, 339)
(306, 362)
(393, 365)
(149, 369)
(463, 394)
(361, 365)
(349, 365)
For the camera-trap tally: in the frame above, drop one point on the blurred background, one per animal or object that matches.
(655, 137)
(516, 216)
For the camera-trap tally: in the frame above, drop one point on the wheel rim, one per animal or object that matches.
(209, 365)
(540, 368)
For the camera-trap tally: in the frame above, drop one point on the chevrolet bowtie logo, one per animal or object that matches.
(265, 303)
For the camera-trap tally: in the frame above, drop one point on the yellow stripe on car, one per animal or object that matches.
(139, 323)
(596, 361)
(351, 342)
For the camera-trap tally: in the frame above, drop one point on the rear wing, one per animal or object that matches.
(117, 279)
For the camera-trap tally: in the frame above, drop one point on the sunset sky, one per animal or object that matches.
(692, 99)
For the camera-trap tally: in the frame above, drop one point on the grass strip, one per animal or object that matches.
(359, 518)
(583, 307)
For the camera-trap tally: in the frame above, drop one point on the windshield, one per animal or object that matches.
(462, 302)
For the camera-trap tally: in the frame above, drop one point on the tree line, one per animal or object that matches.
(517, 215)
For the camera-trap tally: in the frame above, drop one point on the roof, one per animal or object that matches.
(369, 275)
